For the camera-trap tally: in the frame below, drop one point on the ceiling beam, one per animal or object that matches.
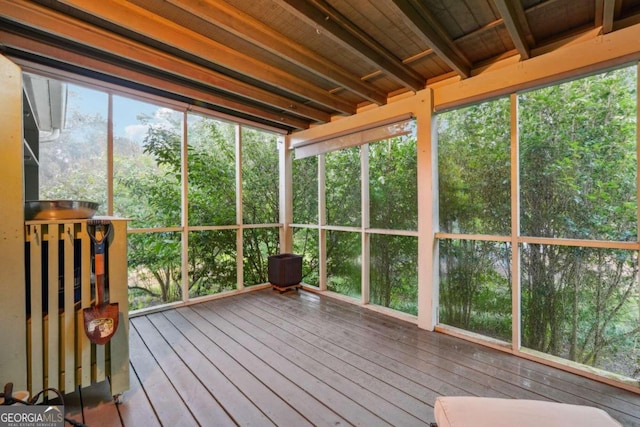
(52, 22)
(605, 14)
(515, 20)
(19, 43)
(138, 20)
(421, 20)
(320, 14)
(242, 25)
(630, 19)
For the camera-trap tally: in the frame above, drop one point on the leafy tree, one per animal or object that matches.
(156, 190)
(578, 173)
(474, 171)
(578, 180)
(342, 182)
(260, 201)
(394, 272)
(393, 194)
(344, 269)
(305, 211)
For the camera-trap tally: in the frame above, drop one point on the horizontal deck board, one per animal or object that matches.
(188, 387)
(273, 405)
(391, 388)
(555, 384)
(351, 390)
(136, 409)
(444, 376)
(318, 397)
(360, 357)
(158, 387)
(299, 358)
(221, 388)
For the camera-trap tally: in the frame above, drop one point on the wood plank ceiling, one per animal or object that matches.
(290, 64)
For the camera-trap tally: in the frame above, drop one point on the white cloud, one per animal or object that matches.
(136, 132)
(163, 113)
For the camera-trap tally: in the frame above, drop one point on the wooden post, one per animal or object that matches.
(119, 344)
(13, 357)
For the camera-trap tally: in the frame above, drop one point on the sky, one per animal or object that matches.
(125, 110)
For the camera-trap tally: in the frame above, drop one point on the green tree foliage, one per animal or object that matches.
(475, 290)
(392, 189)
(474, 169)
(343, 208)
(305, 211)
(305, 190)
(343, 187)
(260, 201)
(578, 180)
(393, 184)
(393, 195)
(394, 272)
(153, 191)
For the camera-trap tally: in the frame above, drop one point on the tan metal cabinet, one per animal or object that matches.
(59, 286)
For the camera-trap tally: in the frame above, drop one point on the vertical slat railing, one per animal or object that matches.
(69, 318)
(35, 372)
(52, 345)
(84, 352)
(119, 344)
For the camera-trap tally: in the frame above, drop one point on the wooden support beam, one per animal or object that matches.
(49, 21)
(343, 31)
(514, 18)
(417, 16)
(242, 25)
(13, 357)
(605, 14)
(133, 18)
(588, 56)
(20, 43)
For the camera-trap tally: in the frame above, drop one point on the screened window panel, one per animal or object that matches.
(475, 286)
(393, 185)
(305, 243)
(211, 162)
(344, 269)
(212, 262)
(260, 177)
(582, 304)
(394, 272)
(578, 158)
(154, 269)
(343, 189)
(305, 190)
(73, 156)
(474, 169)
(147, 163)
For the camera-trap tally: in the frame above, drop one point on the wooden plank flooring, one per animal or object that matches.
(299, 359)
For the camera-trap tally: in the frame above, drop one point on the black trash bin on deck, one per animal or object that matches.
(285, 271)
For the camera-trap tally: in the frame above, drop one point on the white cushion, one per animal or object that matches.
(461, 411)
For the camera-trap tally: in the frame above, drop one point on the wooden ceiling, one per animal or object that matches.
(290, 64)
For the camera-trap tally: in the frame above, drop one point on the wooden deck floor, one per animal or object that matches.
(262, 358)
